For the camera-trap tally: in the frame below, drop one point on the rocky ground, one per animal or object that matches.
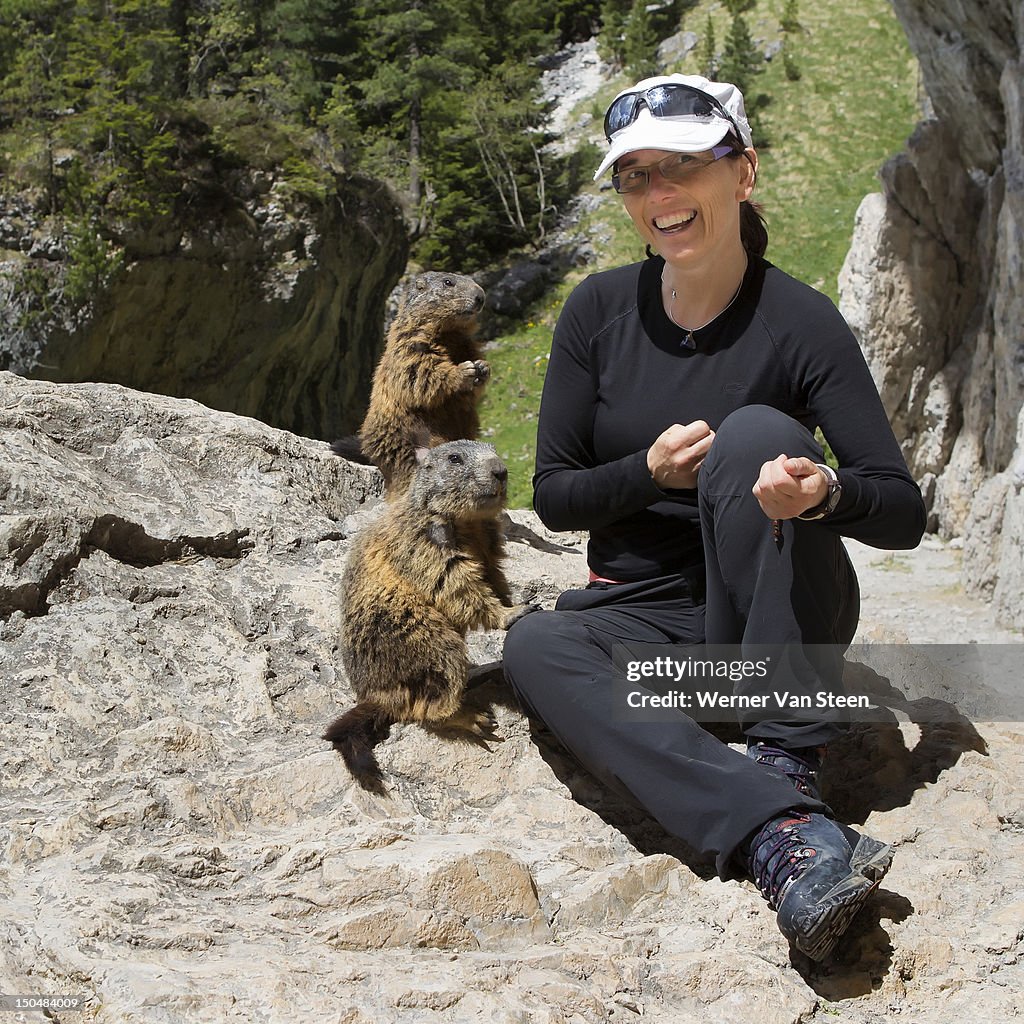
(572, 77)
(180, 846)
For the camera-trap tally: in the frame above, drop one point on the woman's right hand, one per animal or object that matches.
(677, 454)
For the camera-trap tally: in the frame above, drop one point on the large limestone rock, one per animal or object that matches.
(932, 286)
(268, 304)
(179, 845)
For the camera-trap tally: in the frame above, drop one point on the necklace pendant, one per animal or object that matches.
(688, 341)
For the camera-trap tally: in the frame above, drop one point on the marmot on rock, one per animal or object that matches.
(429, 379)
(417, 580)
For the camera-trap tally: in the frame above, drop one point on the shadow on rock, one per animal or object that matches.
(616, 807)
(870, 768)
(519, 533)
(863, 958)
(487, 686)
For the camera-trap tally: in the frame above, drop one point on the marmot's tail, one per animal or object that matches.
(354, 735)
(351, 448)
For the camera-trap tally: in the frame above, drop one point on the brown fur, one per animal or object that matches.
(429, 379)
(418, 579)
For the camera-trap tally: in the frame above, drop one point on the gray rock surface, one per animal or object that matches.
(179, 846)
(575, 74)
(932, 286)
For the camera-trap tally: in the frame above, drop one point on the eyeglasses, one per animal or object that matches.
(674, 168)
(671, 100)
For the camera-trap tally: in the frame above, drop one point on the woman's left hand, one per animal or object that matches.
(786, 487)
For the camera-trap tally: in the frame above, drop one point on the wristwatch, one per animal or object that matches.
(826, 507)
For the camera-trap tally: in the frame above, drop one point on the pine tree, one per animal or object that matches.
(119, 80)
(791, 17)
(640, 44)
(611, 41)
(740, 60)
(32, 50)
(708, 55)
(505, 119)
(220, 43)
(790, 25)
(339, 121)
(790, 66)
(422, 62)
(513, 29)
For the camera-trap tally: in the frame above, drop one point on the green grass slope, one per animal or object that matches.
(855, 103)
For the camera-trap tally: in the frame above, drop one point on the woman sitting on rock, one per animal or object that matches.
(677, 426)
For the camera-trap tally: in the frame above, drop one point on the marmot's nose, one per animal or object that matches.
(500, 473)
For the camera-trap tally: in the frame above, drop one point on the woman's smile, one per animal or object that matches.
(673, 223)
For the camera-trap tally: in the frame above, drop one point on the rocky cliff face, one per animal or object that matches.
(269, 305)
(932, 286)
(179, 845)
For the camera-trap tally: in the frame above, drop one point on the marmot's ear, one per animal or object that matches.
(421, 454)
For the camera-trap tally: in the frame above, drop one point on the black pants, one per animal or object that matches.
(759, 590)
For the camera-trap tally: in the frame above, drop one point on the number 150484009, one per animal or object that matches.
(14, 1004)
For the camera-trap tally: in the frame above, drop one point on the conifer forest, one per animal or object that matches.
(128, 111)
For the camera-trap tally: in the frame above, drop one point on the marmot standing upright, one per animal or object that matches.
(418, 578)
(429, 379)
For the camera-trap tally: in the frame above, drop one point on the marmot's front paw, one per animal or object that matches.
(516, 612)
(469, 372)
(481, 725)
(483, 372)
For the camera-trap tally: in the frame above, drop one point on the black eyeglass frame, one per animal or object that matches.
(717, 153)
(629, 106)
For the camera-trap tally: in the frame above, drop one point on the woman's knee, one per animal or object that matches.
(755, 434)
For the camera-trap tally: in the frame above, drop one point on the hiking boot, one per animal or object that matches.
(817, 874)
(800, 765)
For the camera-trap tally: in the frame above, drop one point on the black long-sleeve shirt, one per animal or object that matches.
(618, 376)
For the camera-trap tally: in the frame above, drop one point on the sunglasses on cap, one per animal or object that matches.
(670, 100)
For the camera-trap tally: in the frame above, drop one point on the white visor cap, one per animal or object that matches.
(686, 133)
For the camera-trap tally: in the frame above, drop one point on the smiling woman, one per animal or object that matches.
(676, 425)
(692, 219)
(695, 214)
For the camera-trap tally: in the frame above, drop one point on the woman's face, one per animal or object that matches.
(693, 219)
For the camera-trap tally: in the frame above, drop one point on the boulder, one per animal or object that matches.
(931, 284)
(179, 843)
(271, 304)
